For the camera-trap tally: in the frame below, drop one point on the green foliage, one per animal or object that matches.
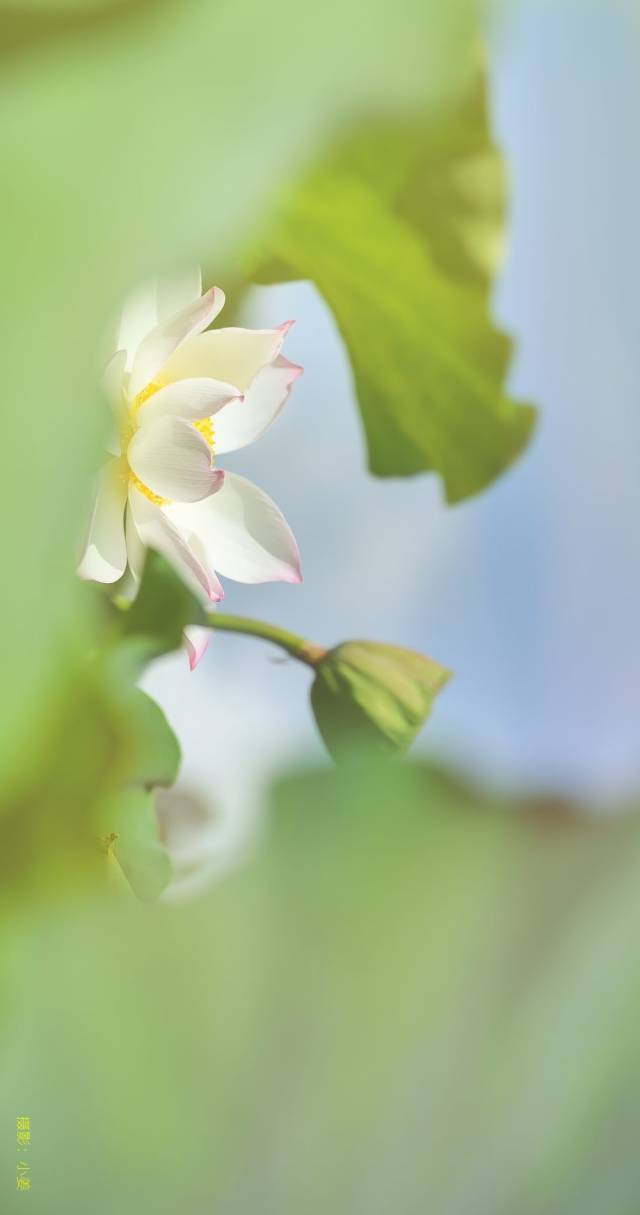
(373, 695)
(152, 756)
(441, 172)
(157, 755)
(412, 997)
(131, 836)
(84, 755)
(401, 229)
(129, 815)
(106, 744)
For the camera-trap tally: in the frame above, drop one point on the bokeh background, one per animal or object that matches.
(378, 988)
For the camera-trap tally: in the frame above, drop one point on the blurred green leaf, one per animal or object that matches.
(156, 758)
(44, 12)
(27, 24)
(131, 835)
(411, 997)
(102, 736)
(400, 230)
(442, 173)
(84, 755)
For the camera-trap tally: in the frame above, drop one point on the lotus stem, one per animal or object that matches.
(298, 647)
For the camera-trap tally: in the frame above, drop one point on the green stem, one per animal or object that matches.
(298, 647)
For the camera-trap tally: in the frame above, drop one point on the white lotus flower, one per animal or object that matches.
(181, 398)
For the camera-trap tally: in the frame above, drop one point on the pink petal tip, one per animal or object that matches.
(195, 641)
(294, 369)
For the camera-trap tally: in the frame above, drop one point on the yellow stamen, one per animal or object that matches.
(144, 489)
(143, 396)
(205, 426)
(137, 403)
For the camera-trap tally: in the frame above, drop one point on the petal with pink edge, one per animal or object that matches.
(162, 342)
(105, 553)
(233, 355)
(242, 422)
(173, 460)
(158, 532)
(242, 533)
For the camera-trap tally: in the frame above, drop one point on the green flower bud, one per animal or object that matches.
(372, 695)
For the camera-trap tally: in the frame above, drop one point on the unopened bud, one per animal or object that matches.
(366, 694)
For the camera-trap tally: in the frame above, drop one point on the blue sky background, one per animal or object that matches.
(531, 592)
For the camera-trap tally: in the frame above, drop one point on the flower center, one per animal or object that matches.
(204, 425)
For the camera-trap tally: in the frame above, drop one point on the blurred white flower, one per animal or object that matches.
(181, 397)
